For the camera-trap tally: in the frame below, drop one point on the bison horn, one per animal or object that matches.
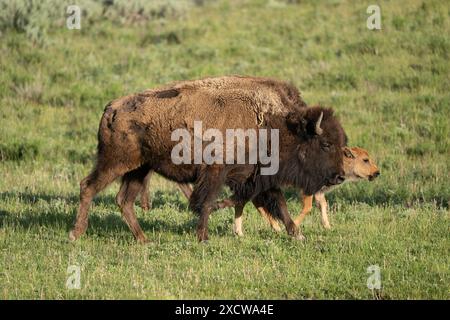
(319, 130)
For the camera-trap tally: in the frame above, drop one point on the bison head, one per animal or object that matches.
(319, 150)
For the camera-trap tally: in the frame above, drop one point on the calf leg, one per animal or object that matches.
(320, 198)
(238, 210)
(307, 207)
(89, 187)
(206, 190)
(132, 184)
(237, 227)
(275, 204)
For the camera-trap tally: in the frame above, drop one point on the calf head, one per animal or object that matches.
(320, 142)
(358, 164)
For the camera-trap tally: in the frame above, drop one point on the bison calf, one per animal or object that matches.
(357, 166)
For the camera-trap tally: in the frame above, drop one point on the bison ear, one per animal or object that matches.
(348, 153)
(297, 123)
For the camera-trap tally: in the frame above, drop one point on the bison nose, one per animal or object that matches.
(376, 174)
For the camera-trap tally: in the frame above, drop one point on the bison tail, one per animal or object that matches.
(105, 128)
(271, 202)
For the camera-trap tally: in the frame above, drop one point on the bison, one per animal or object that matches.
(135, 137)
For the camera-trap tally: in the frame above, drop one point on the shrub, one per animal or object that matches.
(36, 17)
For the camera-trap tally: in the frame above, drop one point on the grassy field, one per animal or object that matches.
(390, 89)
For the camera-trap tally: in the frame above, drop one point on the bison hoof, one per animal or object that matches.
(237, 231)
(327, 226)
(142, 240)
(300, 237)
(146, 207)
(72, 236)
(276, 227)
(202, 236)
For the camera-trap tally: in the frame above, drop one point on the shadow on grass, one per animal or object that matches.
(381, 197)
(158, 199)
(103, 226)
(112, 223)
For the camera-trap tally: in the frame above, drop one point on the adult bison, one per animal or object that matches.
(135, 136)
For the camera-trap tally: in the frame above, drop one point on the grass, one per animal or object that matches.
(388, 87)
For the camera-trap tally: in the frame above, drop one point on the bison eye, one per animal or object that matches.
(325, 146)
(366, 160)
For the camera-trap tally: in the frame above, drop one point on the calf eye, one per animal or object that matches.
(366, 160)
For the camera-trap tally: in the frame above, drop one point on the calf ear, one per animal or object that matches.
(348, 153)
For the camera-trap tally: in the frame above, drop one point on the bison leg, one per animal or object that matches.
(307, 207)
(132, 184)
(145, 197)
(89, 187)
(203, 197)
(320, 198)
(275, 204)
(186, 189)
(237, 227)
(145, 193)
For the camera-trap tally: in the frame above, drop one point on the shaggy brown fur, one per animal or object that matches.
(278, 97)
(275, 91)
(134, 138)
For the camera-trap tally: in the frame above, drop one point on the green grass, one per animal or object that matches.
(390, 88)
